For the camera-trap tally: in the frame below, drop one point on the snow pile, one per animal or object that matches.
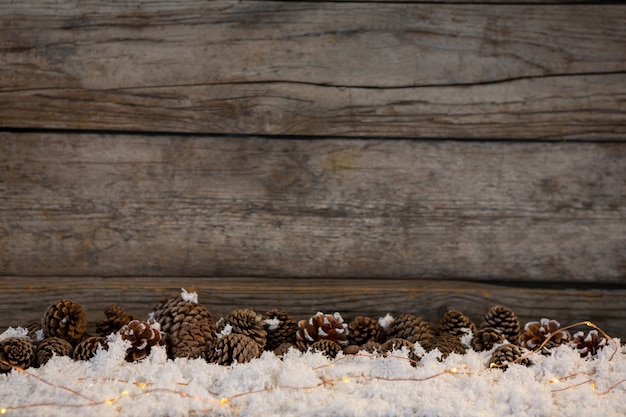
(310, 384)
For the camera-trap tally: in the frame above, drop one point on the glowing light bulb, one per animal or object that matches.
(554, 380)
(3, 410)
(345, 379)
(593, 385)
(223, 401)
(142, 384)
(453, 370)
(124, 394)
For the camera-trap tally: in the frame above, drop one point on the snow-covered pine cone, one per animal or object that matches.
(35, 331)
(537, 332)
(397, 343)
(52, 346)
(486, 338)
(456, 323)
(231, 348)
(503, 319)
(142, 337)
(447, 343)
(412, 328)
(506, 355)
(247, 322)
(187, 327)
(16, 351)
(116, 318)
(588, 345)
(66, 319)
(363, 329)
(280, 328)
(321, 326)
(328, 347)
(88, 348)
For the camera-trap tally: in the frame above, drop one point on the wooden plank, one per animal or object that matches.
(26, 298)
(316, 68)
(134, 205)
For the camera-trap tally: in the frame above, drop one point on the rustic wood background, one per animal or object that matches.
(361, 157)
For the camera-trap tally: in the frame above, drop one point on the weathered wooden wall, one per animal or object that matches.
(364, 157)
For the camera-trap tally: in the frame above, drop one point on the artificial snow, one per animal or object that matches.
(310, 384)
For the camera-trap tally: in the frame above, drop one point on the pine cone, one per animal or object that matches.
(232, 348)
(590, 344)
(116, 318)
(456, 323)
(247, 322)
(280, 328)
(35, 331)
(397, 343)
(486, 339)
(328, 347)
(536, 332)
(88, 348)
(503, 319)
(65, 319)
(321, 326)
(52, 346)
(363, 329)
(372, 347)
(16, 352)
(187, 327)
(447, 343)
(505, 355)
(283, 348)
(412, 328)
(142, 337)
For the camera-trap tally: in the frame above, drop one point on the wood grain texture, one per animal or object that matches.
(316, 68)
(23, 299)
(134, 205)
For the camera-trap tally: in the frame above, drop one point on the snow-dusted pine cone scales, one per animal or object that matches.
(363, 329)
(280, 328)
(66, 319)
(52, 346)
(447, 343)
(486, 339)
(412, 328)
(88, 348)
(116, 318)
(247, 322)
(588, 344)
(35, 331)
(142, 338)
(397, 343)
(188, 328)
(456, 323)
(537, 332)
(16, 351)
(503, 319)
(231, 348)
(506, 355)
(321, 326)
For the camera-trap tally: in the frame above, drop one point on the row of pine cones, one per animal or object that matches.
(187, 329)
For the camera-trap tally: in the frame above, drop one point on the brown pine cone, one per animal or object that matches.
(372, 347)
(412, 328)
(35, 331)
(328, 347)
(142, 337)
(506, 355)
(447, 343)
(187, 327)
(397, 343)
(88, 348)
(363, 329)
(116, 318)
(232, 348)
(456, 323)
(247, 322)
(16, 352)
(52, 346)
(537, 332)
(65, 319)
(283, 348)
(590, 344)
(280, 328)
(486, 339)
(505, 320)
(321, 326)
